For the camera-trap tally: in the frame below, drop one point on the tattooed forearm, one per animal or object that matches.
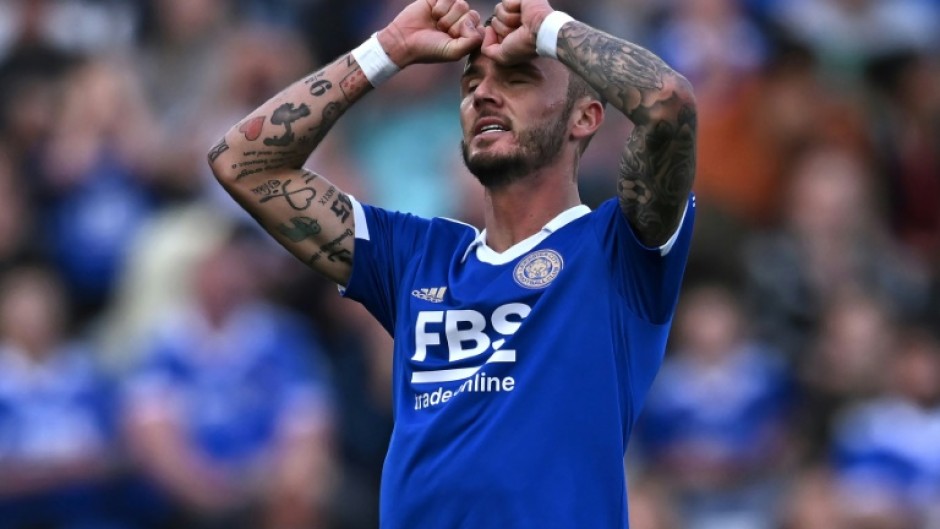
(260, 163)
(656, 173)
(298, 199)
(658, 163)
(324, 200)
(293, 123)
(318, 85)
(627, 75)
(286, 115)
(252, 128)
(217, 150)
(342, 207)
(301, 228)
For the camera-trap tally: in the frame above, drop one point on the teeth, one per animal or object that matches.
(492, 128)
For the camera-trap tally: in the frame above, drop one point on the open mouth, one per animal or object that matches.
(490, 125)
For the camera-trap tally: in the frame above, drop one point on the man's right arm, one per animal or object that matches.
(260, 160)
(260, 163)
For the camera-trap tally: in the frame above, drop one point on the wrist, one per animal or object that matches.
(374, 61)
(394, 45)
(546, 36)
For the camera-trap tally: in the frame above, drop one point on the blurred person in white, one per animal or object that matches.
(886, 449)
(716, 422)
(831, 239)
(57, 437)
(228, 415)
(845, 33)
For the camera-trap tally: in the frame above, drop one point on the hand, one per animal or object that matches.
(429, 31)
(510, 37)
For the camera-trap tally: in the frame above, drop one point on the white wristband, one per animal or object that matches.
(375, 63)
(546, 42)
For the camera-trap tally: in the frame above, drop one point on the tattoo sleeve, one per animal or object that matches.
(260, 163)
(658, 164)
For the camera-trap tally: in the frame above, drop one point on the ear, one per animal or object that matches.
(587, 117)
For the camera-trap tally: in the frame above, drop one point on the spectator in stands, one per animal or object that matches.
(885, 448)
(228, 414)
(715, 424)
(57, 441)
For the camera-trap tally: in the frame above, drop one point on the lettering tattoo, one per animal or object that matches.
(309, 176)
(333, 250)
(343, 256)
(301, 228)
(658, 164)
(267, 189)
(269, 161)
(318, 85)
(330, 246)
(297, 199)
(248, 172)
(217, 150)
(342, 206)
(327, 196)
(286, 115)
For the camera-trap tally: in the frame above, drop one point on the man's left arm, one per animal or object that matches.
(658, 163)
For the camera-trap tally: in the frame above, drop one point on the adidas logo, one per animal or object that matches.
(434, 295)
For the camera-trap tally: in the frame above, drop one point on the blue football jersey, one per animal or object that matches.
(517, 375)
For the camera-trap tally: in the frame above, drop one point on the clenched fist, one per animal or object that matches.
(511, 35)
(428, 31)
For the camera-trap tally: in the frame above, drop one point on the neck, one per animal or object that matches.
(519, 210)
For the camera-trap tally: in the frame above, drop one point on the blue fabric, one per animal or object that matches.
(516, 388)
(235, 386)
(57, 412)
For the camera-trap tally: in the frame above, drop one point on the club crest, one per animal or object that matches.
(538, 269)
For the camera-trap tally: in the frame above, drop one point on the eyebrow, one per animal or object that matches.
(526, 68)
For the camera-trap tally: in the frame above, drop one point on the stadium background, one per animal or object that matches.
(164, 365)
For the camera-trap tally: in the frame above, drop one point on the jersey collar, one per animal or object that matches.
(487, 255)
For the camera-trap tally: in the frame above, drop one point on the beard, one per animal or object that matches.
(537, 147)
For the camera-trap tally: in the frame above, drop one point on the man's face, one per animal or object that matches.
(514, 118)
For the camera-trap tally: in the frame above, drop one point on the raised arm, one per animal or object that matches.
(658, 163)
(260, 160)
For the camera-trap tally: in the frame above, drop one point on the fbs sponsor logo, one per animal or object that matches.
(457, 336)
(479, 383)
(434, 295)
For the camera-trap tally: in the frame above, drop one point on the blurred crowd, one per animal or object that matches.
(163, 364)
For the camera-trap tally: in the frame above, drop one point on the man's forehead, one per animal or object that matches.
(477, 62)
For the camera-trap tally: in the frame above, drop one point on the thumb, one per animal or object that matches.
(491, 46)
(470, 36)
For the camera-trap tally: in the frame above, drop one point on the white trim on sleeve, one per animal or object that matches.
(359, 219)
(667, 247)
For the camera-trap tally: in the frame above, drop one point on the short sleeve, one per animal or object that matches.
(648, 278)
(386, 242)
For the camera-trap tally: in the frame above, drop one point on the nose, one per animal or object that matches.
(486, 93)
